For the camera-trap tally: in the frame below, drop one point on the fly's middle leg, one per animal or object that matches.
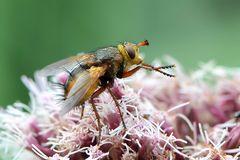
(117, 105)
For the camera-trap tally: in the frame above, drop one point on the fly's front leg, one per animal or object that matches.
(150, 68)
(95, 94)
(158, 69)
(161, 67)
(131, 72)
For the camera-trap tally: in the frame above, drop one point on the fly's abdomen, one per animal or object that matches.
(68, 86)
(73, 74)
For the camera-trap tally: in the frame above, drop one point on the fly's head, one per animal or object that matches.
(130, 52)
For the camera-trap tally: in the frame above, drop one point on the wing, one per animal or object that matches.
(66, 64)
(84, 87)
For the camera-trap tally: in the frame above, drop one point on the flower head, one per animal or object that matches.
(189, 117)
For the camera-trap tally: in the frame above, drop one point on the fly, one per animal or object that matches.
(92, 73)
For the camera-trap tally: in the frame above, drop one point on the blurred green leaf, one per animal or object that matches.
(35, 33)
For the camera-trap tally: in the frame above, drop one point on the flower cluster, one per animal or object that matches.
(189, 117)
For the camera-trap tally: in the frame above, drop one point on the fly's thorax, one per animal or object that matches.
(112, 71)
(130, 53)
(106, 55)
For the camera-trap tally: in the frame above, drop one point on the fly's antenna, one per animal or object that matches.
(144, 43)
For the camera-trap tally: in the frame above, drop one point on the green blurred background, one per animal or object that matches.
(34, 33)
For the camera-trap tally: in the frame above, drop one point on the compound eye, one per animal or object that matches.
(130, 51)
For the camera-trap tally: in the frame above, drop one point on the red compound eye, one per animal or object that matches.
(130, 51)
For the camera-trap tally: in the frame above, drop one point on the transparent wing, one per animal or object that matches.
(84, 87)
(65, 64)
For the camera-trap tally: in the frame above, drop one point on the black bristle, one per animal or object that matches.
(58, 84)
(237, 115)
(166, 74)
(166, 67)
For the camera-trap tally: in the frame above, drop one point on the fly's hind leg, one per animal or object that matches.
(95, 94)
(82, 111)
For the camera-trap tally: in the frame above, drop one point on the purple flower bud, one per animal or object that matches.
(117, 91)
(233, 138)
(113, 120)
(31, 140)
(218, 114)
